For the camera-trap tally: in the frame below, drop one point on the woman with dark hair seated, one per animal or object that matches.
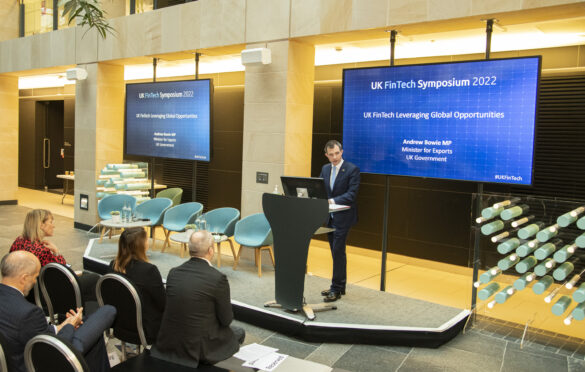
(38, 226)
(132, 263)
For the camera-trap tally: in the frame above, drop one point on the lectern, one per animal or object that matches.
(293, 222)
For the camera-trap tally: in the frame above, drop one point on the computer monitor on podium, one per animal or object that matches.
(304, 187)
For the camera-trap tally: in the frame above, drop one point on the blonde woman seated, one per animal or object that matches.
(132, 263)
(39, 225)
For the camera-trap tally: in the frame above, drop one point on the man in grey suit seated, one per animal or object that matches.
(20, 320)
(196, 322)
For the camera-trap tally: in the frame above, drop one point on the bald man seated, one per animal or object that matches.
(196, 322)
(20, 320)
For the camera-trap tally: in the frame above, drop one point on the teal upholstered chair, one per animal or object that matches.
(114, 202)
(176, 218)
(222, 222)
(154, 210)
(175, 194)
(254, 231)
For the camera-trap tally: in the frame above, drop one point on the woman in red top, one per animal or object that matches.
(38, 225)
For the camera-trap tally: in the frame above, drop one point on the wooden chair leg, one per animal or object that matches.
(183, 249)
(102, 234)
(259, 260)
(153, 233)
(237, 260)
(271, 255)
(218, 244)
(167, 240)
(232, 247)
(110, 235)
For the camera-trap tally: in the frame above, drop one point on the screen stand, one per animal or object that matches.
(293, 222)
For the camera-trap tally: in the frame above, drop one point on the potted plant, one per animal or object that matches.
(87, 13)
(191, 227)
(115, 216)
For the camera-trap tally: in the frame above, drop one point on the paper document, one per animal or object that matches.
(253, 352)
(337, 207)
(267, 363)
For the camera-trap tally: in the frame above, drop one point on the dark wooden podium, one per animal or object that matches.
(293, 222)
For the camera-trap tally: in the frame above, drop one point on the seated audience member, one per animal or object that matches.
(20, 320)
(196, 322)
(132, 263)
(38, 225)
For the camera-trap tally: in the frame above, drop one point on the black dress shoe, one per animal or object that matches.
(332, 296)
(325, 292)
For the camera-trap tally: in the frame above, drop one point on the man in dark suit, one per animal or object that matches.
(342, 181)
(20, 320)
(196, 322)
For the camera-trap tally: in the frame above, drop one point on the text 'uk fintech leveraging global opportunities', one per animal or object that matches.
(433, 115)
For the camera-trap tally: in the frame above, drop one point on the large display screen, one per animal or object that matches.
(470, 121)
(169, 119)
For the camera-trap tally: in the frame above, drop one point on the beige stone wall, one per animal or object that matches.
(9, 137)
(99, 130)
(9, 14)
(212, 23)
(278, 118)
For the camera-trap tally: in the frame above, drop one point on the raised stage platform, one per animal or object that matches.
(362, 316)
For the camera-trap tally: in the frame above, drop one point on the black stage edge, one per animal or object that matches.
(8, 202)
(350, 334)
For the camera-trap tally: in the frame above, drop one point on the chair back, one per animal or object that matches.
(48, 353)
(114, 202)
(154, 209)
(114, 289)
(177, 217)
(222, 220)
(253, 231)
(60, 288)
(4, 354)
(175, 194)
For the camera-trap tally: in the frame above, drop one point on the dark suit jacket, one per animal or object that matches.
(148, 282)
(345, 190)
(20, 321)
(195, 326)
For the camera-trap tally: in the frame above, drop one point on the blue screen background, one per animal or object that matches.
(482, 149)
(189, 137)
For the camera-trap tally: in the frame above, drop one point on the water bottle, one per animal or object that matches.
(126, 212)
(276, 191)
(203, 224)
(198, 223)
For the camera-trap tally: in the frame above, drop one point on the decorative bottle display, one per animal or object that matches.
(543, 284)
(548, 233)
(492, 227)
(570, 217)
(544, 267)
(521, 221)
(565, 253)
(508, 262)
(513, 212)
(581, 223)
(547, 249)
(508, 245)
(527, 248)
(503, 295)
(564, 269)
(523, 281)
(532, 247)
(526, 264)
(561, 305)
(580, 241)
(487, 291)
(530, 230)
(491, 212)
